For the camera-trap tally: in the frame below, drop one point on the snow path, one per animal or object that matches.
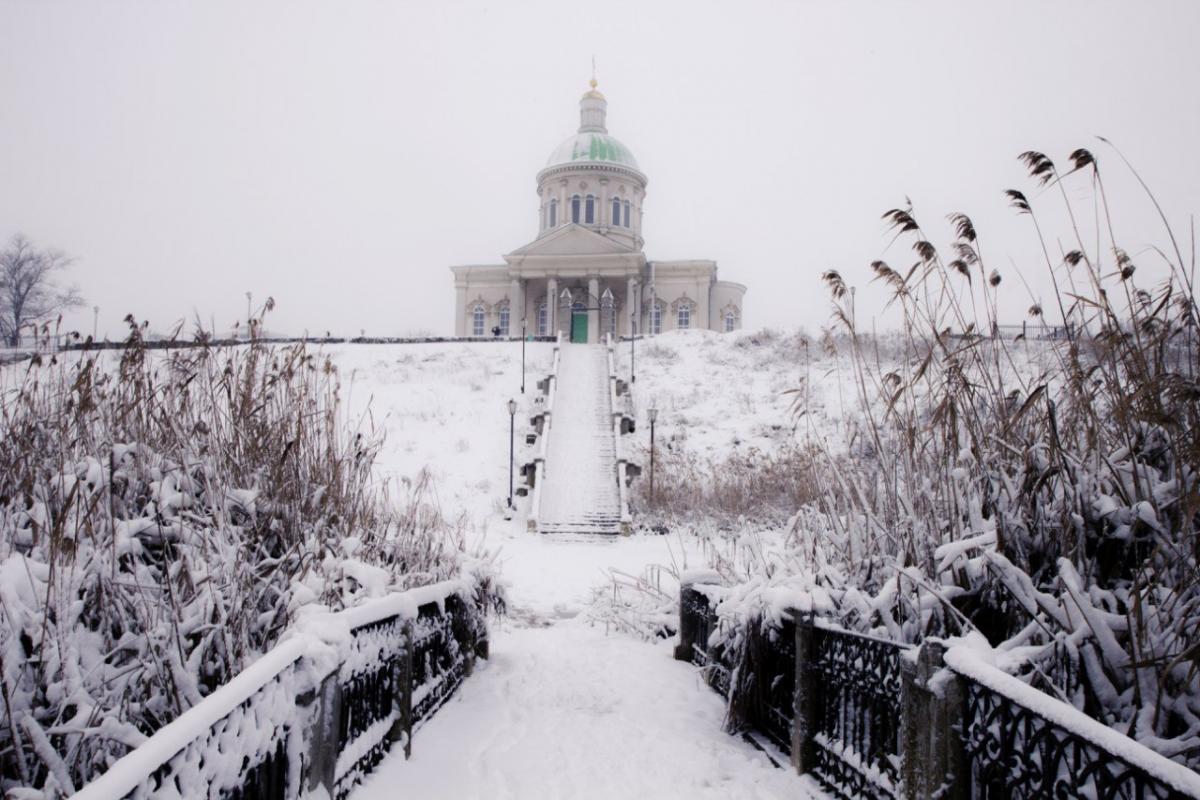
(580, 494)
(565, 710)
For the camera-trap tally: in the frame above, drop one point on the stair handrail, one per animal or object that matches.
(616, 417)
(539, 460)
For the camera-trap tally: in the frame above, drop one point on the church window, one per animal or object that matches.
(543, 320)
(730, 321)
(684, 317)
(626, 223)
(553, 213)
(616, 213)
(656, 318)
(504, 321)
(477, 321)
(575, 208)
(590, 215)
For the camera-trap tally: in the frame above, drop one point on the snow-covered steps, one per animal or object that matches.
(580, 494)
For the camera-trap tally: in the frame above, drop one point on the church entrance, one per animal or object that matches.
(579, 323)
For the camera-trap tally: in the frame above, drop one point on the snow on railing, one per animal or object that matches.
(1022, 741)
(539, 460)
(319, 710)
(617, 416)
(872, 718)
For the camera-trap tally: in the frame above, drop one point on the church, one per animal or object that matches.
(585, 274)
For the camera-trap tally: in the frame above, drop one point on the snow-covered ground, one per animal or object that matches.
(566, 706)
(567, 711)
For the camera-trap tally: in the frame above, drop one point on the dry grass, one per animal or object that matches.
(1083, 480)
(161, 519)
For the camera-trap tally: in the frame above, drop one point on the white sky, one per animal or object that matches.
(340, 155)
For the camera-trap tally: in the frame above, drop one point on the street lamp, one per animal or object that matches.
(248, 296)
(512, 415)
(523, 355)
(95, 321)
(653, 414)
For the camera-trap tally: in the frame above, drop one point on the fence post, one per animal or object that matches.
(804, 726)
(931, 709)
(402, 729)
(689, 623)
(322, 735)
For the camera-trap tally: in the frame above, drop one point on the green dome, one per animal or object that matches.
(592, 146)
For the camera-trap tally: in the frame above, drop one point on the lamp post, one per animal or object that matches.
(653, 414)
(512, 415)
(95, 321)
(523, 355)
(248, 296)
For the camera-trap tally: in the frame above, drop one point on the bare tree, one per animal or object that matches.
(29, 292)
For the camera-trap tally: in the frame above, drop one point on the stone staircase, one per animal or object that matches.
(581, 494)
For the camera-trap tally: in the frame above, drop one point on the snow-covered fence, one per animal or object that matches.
(1019, 742)
(621, 420)
(318, 711)
(872, 718)
(547, 414)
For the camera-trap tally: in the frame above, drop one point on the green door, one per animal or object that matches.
(579, 327)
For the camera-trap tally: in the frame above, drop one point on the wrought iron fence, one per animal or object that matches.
(395, 671)
(870, 721)
(371, 699)
(697, 621)
(857, 685)
(439, 664)
(763, 699)
(1015, 752)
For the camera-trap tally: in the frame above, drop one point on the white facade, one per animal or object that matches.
(585, 274)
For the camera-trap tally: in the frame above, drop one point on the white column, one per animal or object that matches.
(552, 306)
(514, 298)
(593, 302)
(460, 311)
(632, 306)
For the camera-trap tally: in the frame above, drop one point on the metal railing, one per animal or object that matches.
(318, 711)
(869, 720)
(855, 740)
(539, 460)
(618, 414)
(1014, 749)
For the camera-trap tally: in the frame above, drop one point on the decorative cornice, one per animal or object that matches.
(590, 166)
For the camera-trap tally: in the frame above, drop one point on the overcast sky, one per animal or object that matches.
(339, 156)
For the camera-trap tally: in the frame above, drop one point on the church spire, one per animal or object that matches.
(592, 108)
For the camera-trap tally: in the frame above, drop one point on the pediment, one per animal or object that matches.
(572, 240)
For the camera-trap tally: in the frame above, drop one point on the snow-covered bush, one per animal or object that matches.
(1056, 511)
(162, 518)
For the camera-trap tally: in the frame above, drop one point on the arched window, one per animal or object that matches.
(504, 321)
(656, 317)
(616, 213)
(478, 318)
(730, 321)
(553, 213)
(543, 320)
(575, 208)
(590, 210)
(683, 317)
(626, 222)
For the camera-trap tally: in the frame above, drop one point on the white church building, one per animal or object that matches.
(585, 274)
